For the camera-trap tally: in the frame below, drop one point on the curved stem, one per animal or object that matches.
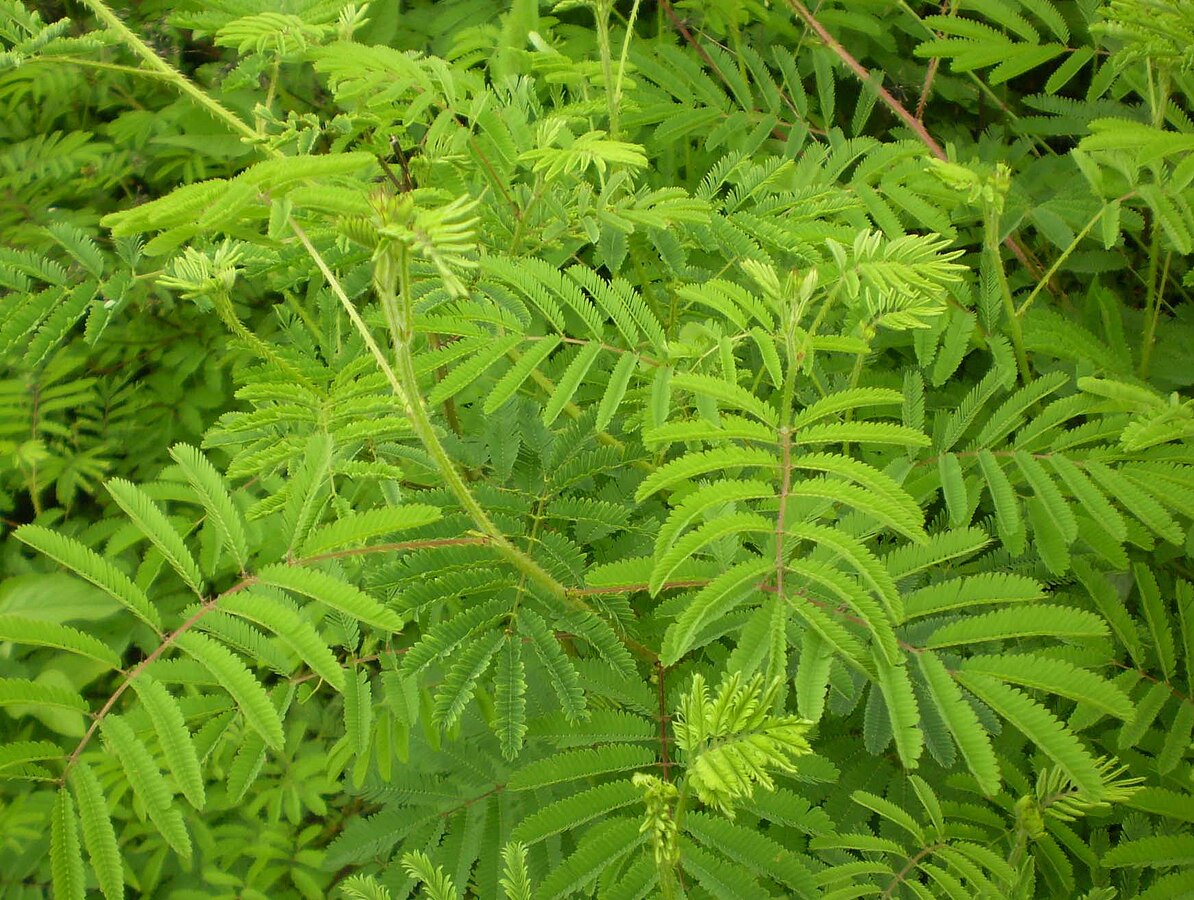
(403, 381)
(164, 70)
(991, 246)
(167, 642)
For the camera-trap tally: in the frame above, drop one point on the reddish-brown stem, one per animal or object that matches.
(927, 88)
(665, 759)
(901, 112)
(135, 672)
(679, 25)
(449, 405)
(865, 77)
(209, 605)
(899, 877)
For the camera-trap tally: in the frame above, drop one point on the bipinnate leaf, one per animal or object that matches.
(217, 502)
(961, 720)
(601, 845)
(291, 627)
(561, 673)
(40, 633)
(88, 564)
(359, 527)
(1041, 727)
(573, 765)
(509, 697)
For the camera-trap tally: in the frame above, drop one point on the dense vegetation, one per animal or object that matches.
(720, 449)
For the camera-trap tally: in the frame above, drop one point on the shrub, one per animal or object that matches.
(711, 449)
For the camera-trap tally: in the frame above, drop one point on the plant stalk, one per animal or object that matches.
(163, 69)
(995, 260)
(403, 381)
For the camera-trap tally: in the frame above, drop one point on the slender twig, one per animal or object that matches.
(931, 74)
(1060, 261)
(927, 88)
(617, 88)
(900, 111)
(678, 25)
(664, 756)
(781, 515)
(867, 78)
(899, 877)
(995, 260)
(164, 70)
(167, 642)
(396, 547)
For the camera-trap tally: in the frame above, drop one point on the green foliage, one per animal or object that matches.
(409, 412)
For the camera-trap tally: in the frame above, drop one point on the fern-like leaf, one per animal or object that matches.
(99, 837)
(602, 845)
(88, 564)
(576, 810)
(175, 740)
(1055, 676)
(66, 856)
(294, 630)
(1041, 727)
(152, 523)
(1008, 624)
(509, 697)
(239, 682)
(573, 765)
(962, 722)
(40, 633)
(333, 593)
(216, 500)
(468, 665)
(560, 671)
(358, 527)
(147, 782)
(711, 603)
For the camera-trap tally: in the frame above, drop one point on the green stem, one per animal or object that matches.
(991, 246)
(271, 91)
(1156, 289)
(403, 381)
(167, 72)
(601, 11)
(520, 228)
(421, 422)
(1159, 98)
(227, 315)
(93, 64)
(616, 98)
